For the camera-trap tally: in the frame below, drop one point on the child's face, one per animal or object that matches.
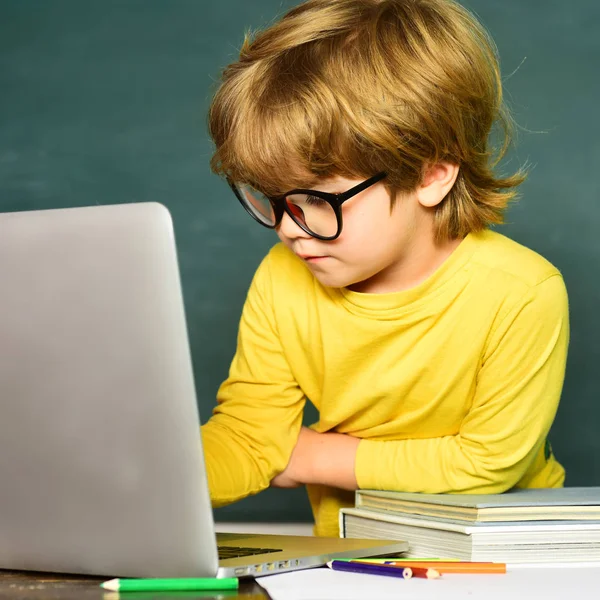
(376, 244)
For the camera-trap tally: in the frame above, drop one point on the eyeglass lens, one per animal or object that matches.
(312, 212)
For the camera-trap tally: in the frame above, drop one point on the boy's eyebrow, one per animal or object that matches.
(329, 187)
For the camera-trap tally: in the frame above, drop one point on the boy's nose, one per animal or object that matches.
(290, 229)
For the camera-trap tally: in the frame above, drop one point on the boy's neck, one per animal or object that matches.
(424, 258)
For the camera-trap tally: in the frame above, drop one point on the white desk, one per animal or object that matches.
(519, 583)
(559, 582)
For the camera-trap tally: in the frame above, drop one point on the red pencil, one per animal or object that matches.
(424, 573)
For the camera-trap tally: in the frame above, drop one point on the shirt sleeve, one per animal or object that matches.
(516, 397)
(255, 426)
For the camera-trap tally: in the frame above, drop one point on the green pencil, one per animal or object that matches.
(170, 585)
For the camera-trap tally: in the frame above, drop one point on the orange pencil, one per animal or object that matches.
(454, 567)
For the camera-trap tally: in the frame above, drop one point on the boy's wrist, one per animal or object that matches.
(331, 460)
(313, 467)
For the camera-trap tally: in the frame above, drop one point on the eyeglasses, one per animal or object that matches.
(318, 213)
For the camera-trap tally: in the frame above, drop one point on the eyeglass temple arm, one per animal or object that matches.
(361, 186)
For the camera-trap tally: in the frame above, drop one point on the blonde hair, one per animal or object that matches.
(355, 87)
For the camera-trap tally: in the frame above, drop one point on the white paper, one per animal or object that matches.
(548, 583)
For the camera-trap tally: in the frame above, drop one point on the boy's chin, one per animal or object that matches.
(335, 280)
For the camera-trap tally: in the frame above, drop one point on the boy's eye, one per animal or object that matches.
(315, 201)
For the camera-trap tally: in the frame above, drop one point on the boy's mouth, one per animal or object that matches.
(310, 258)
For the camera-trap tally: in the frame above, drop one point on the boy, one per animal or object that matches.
(433, 348)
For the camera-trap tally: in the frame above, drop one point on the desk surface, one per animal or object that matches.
(20, 585)
(554, 583)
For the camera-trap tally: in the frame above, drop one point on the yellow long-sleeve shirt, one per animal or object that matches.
(452, 386)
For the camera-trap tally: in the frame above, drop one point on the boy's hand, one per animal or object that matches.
(321, 458)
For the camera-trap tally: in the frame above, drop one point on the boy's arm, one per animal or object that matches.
(518, 390)
(254, 428)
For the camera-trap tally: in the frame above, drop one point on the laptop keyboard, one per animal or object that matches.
(237, 551)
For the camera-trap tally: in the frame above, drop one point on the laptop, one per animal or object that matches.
(101, 463)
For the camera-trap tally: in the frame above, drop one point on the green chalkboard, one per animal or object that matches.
(105, 102)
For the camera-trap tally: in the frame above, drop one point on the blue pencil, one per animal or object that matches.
(370, 568)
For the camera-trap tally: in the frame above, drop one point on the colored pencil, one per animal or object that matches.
(370, 569)
(443, 566)
(388, 559)
(454, 567)
(425, 572)
(169, 585)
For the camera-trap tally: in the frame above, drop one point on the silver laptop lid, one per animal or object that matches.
(94, 369)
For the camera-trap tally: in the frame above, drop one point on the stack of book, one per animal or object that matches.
(520, 526)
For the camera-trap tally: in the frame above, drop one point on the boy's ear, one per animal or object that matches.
(438, 180)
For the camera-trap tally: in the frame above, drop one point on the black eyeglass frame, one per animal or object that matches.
(280, 206)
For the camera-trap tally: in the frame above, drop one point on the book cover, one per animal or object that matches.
(573, 504)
